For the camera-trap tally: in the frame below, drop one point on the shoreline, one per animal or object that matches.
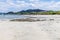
(36, 30)
(41, 17)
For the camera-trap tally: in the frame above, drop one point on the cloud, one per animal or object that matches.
(34, 0)
(52, 5)
(17, 5)
(9, 5)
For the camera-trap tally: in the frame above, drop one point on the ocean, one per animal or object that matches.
(9, 17)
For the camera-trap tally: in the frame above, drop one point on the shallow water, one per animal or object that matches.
(8, 17)
(47, 17)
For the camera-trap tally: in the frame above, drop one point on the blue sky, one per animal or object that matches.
(17, 5)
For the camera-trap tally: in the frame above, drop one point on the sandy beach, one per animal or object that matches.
(43, 30)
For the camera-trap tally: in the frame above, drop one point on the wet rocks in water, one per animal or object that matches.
(32, 19)
(27, 19)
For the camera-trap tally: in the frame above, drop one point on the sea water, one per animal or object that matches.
(9, 17)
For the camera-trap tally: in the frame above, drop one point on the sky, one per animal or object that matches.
(18, 5)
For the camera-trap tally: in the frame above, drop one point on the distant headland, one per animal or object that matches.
(32, 12)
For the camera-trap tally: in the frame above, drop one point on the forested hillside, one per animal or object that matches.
(34, 12)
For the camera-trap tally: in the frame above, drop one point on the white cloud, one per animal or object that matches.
(34, 0)
(5, 6)
(47, 5)
(19, 5)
